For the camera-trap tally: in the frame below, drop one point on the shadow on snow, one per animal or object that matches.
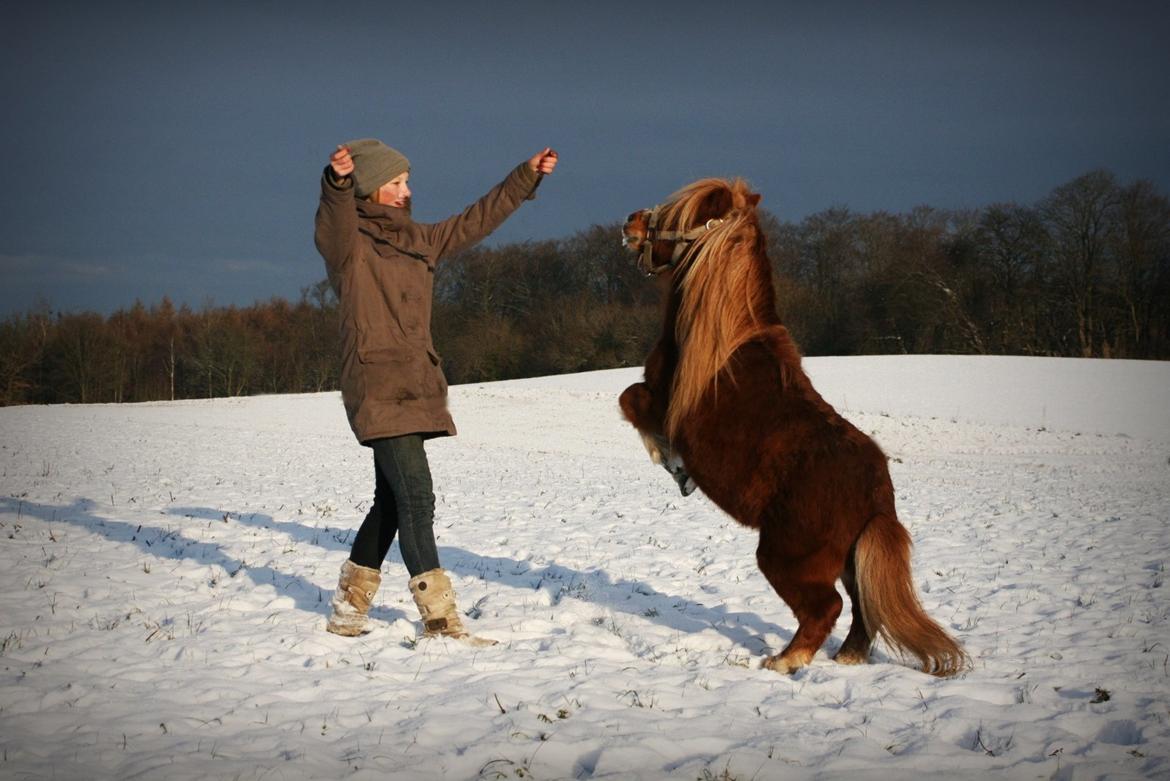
(596, 586)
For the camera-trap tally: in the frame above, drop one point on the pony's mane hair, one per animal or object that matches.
(725, 282)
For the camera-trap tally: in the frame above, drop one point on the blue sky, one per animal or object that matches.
(153, 150)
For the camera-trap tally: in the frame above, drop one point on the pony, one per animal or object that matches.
(725, 403)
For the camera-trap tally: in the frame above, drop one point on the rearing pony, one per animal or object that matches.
(725, 392)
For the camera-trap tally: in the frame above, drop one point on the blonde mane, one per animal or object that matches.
(724, 303)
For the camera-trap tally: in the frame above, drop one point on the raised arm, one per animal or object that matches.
(336, 224)
(485, 215)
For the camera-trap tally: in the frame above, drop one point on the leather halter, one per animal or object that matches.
(682, 242)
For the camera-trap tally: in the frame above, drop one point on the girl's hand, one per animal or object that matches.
(341, 162)
(544, 162)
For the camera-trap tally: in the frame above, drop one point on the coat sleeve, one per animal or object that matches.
(485, 215)
(336, 227)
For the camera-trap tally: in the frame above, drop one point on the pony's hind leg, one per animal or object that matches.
(855, 649)
(808, 586)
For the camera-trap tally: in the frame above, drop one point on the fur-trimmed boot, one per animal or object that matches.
(435, 597)
(351, 602)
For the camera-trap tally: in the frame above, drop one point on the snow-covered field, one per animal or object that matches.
(165, 574)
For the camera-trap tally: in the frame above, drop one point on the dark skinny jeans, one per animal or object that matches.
(404, 504)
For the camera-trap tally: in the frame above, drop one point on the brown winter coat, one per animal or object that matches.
(381, 265)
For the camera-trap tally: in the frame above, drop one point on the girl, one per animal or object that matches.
(381, 264)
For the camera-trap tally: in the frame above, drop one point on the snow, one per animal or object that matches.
(166, 570)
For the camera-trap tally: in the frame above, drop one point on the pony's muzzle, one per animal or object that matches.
(634, 232)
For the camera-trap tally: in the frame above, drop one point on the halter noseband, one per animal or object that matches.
(682, 242)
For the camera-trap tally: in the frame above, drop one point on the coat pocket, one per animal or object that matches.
(437, 385)
(393, 373)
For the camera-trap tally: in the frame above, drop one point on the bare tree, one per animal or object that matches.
(1143, 262)
(1012, 247)
(1082, 219)
(23, 340)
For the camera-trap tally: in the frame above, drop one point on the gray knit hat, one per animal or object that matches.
(374, 164)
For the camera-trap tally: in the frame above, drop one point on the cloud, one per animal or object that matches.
(81, 269)
(105, 283)
(57, 269)
(254, 266)
(20, 264)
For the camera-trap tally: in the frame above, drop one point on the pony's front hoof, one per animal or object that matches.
(786, 663)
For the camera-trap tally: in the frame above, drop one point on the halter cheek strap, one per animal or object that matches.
(682, 242)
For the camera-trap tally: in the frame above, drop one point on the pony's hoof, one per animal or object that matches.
(851, 657)
(785, 664)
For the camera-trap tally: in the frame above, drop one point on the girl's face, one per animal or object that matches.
(395, 192)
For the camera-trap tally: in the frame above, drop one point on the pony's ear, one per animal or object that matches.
(744, 198)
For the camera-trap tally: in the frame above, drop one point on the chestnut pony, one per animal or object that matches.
(725, 392)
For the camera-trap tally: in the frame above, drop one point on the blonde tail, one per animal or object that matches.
(889, 604)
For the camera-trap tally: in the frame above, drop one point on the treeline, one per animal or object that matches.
(1084, 272)
(166, 352)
